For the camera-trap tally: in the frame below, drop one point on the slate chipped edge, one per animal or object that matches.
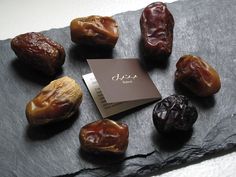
(195, 153)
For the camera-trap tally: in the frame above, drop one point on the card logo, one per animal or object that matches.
(125, 79)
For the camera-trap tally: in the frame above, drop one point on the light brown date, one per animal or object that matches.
(39, 52)
(95, 31)
(197, 75)
(57, 101)
(104, 136)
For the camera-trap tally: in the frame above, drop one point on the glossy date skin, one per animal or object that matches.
(157, 24)
(197, 75)
(39, 52)
(104, 136)
(94, 31)
(174, 113)
(57, 101)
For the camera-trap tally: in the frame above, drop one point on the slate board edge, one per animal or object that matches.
(199, 153)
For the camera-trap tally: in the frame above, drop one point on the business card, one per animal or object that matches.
(117, 85)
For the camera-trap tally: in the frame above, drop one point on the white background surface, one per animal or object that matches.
(20, 16)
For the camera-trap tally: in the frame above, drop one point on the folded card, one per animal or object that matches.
(117, 85)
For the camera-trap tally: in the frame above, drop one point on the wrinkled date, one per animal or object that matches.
(174, 113)
(94, 30)
(39, 52)
(157, 25)
(197, 75)
(57, 101)
(104, 136)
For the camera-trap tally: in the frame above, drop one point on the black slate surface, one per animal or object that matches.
(205, 27)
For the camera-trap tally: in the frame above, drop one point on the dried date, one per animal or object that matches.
(157, 24)
(39, 52)
(174, 113)
(197, 75)
(94, 31)
(57, 101)
(104, 136)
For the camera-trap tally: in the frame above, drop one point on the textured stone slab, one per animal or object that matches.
(205, 27)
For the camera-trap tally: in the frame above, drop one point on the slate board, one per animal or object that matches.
(205, 27)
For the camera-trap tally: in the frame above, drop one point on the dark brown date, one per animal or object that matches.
(39, 52)
(58, 101)
(104, 136)
(197, 75)
(174, 113)
(157, 25)
(94, 31)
